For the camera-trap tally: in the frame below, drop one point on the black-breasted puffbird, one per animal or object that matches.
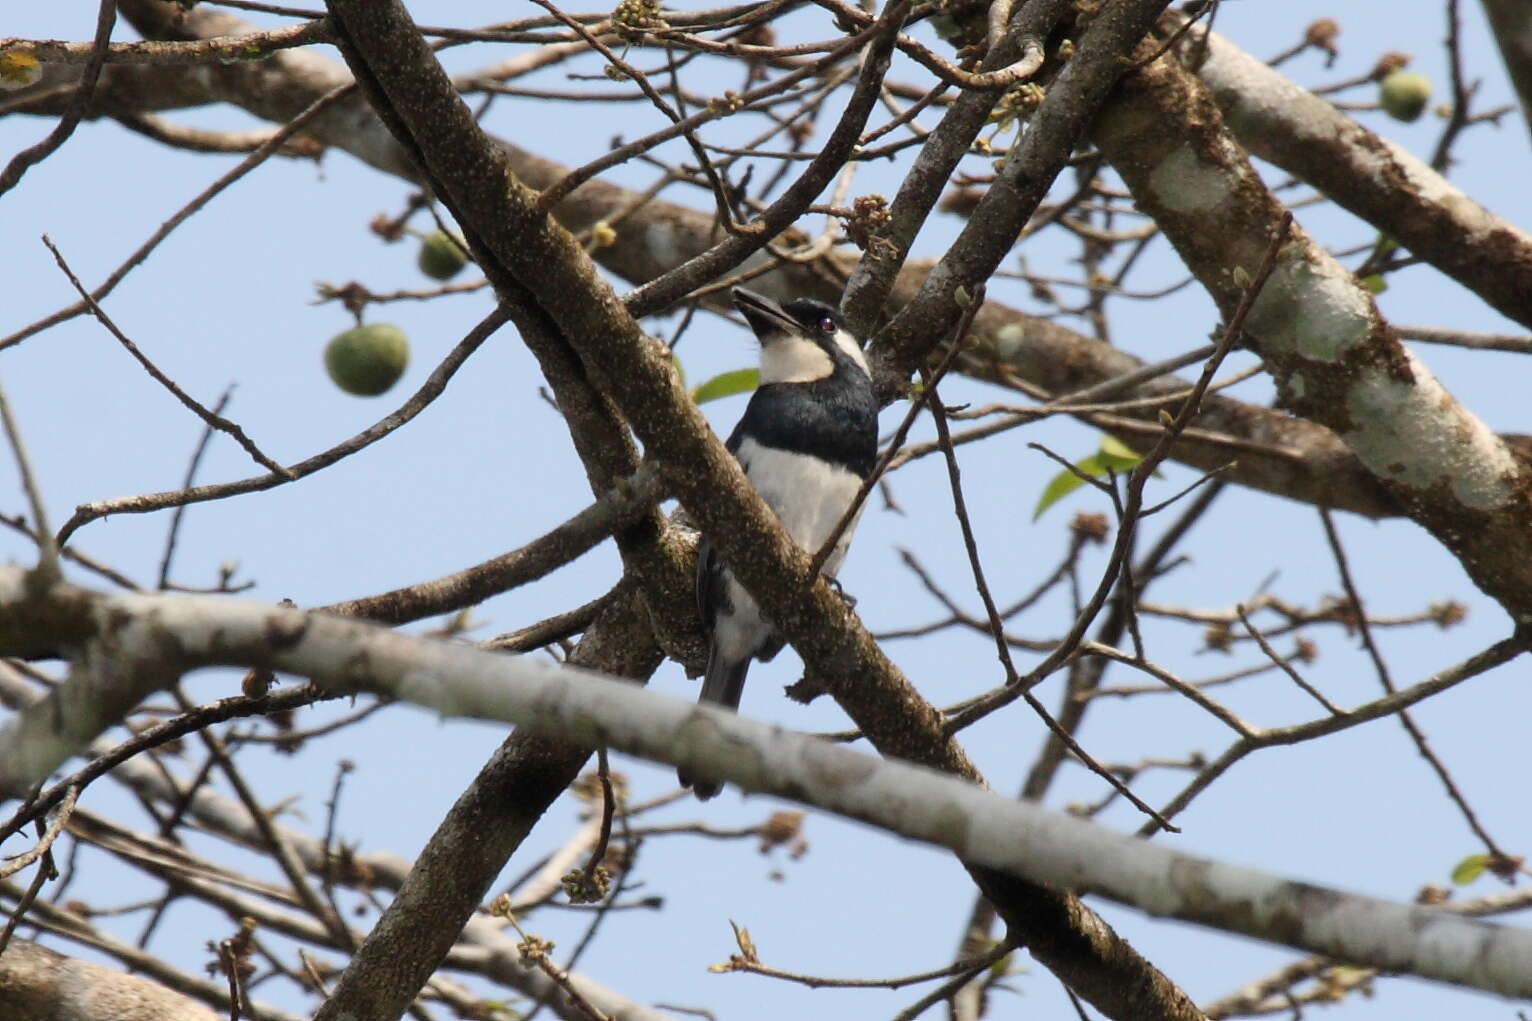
(807, 440)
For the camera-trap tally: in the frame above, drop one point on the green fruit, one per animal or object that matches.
(1404, 94)
(441, 256)
(367, 360)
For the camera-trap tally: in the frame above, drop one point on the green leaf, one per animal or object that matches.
(727, 384)
(1066, 482)
(1469, 869)
(1112, 456)
(1375, 283)
(1117, 455)
(675, 362)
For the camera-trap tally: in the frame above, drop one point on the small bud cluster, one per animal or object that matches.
(1321, 35)
(782, 829)
(869, 214)
(584, 886)
(1389, 63)
(533, 948)
(722, 106)
(602, 234)
(1218, 637)
(633, 18)
(1090, 528)
(1016, 105)
(1448, 613)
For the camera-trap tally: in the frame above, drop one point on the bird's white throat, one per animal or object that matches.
(799, 360)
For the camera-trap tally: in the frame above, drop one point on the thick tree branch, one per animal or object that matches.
(1023, 179)
(1511, 21)
(244, 46)
(868, 289)
(172, 634)
(463, 856)
(37, 984)
(1334, 358)
(552, 288)
(1301, 460)
(1287, 125)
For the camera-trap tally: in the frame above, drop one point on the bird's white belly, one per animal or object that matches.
(808, 495)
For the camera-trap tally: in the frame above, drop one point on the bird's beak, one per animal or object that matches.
(765, 316)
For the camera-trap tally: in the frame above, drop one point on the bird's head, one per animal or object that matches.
(801, 341)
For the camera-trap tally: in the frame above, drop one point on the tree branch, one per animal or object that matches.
(1290, 127)
(1511, 22)
(171, 634)
(1291, 457)
(1333, 357)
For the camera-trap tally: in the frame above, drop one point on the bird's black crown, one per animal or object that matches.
(816, 317)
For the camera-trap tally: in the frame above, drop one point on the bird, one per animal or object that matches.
(807, 441)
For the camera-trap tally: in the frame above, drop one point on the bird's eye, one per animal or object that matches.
(827, 325)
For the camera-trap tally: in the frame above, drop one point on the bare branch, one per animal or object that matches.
(417, 402)
(219, 49)
(213, 420)
(916, 803)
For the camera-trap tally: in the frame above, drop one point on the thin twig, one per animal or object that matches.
(960, 508)
(417, 402)
(249, 163)
(971, 964)
(550, 196)
(720, 191)
(954, 474)
(1518, 343)
(191, 476)
(282, 850)
(213, 420)
(18, 522)
(1364, 631)
(1285, 666)
(942, 992)
(331, 856)
(46, 869)
(555, 628)
(48, 561)
(1171, 431)
(21, 861)
(608, 811)
(1496, 655)
(1462, 95)
(1170, 42)
(730, 252)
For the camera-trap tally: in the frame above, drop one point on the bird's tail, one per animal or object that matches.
(722, 685)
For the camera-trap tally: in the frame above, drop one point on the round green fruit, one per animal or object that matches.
(1404, 94)
(367, 360)
(441, 256)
